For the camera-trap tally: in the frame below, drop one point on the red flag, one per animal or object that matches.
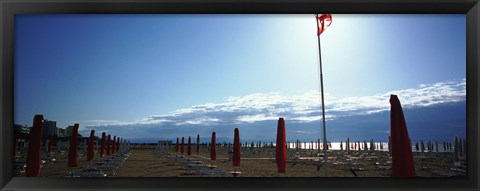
(213, 151)
(73, 150)
(35, 147)
(323, 22)
(402, 158)
(91, 146)
(281, 144)
(236, 148)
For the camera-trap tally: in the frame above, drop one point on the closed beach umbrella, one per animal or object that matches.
(181, 146)
(176, 146)
(118, 145)
(91, 146)
(35, 147)
(198, 144)
(49, 145)
(281, 151)
(189, 147)
(318, 144)
(348, 145)
(102, 146)
(402, 158)
(73, 150)
(456, 157)
(109, 140)
(114, 142)
(236, 148)
(213, 151)
(460, 147)
(422, 145)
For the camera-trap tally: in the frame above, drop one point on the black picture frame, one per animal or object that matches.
(8, 9)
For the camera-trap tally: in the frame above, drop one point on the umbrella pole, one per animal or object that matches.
(325, 153)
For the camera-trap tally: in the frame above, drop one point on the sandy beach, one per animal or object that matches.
(258, 162)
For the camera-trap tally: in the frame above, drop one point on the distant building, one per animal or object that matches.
(49, 128)
(69, 131)
(21, 129)
(60, 132)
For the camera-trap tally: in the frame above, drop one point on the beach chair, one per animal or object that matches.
(196, 167)
(86, 174)
(20, 166)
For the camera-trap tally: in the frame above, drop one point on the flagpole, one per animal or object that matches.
(325, 146)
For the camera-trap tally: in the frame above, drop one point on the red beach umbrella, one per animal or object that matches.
(91, 146)
(73, 150)
(49, 145)
(181, 146)
(118, 144)
(189, 147)
(109, 140)
(176, 146)
(102, 146)
(281, 150)
(35, 147)
(236, 148)
(198, 144)
(114, 143)
(402, 158)
(121, 145)
(213, 151)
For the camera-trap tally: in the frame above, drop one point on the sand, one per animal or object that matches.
(260, 162)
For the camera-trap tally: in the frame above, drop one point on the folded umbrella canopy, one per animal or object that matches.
(109, 140)
(402, 158)
(236, 148)
(189, 147)
(114, 143)
(213, 151)
(35, 147)
(118, 145)
(281, 150)
(73, 150)
(181, 146)
(49, 145)
(91, 146)
(102, 146)
(176, 146)
(198, 144)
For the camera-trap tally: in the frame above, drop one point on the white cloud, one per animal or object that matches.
(302, 108)
(255, 118)
(198, 121)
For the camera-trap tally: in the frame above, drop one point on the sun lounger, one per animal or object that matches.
(86, 174)
(111, 168)
(196, 167)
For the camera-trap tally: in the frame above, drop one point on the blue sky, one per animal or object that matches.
(117, 73)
